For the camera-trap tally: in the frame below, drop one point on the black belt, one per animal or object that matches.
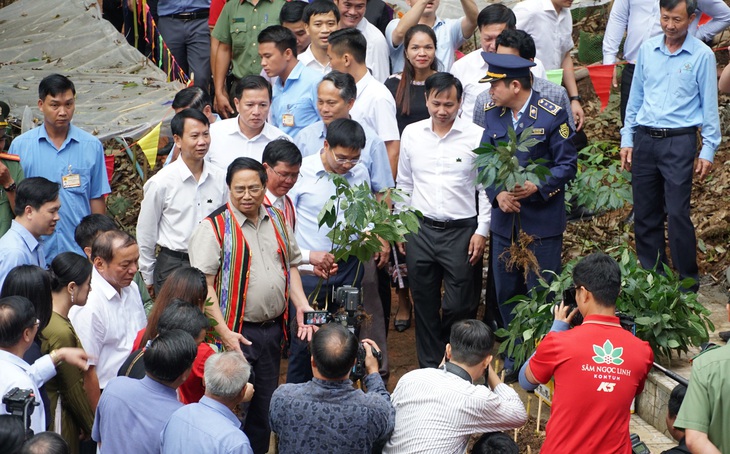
(200, 14)
(176, 254)
(266, 323)
(455, 224)
(663, 133)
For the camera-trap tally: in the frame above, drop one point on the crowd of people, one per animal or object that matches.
(188, 316)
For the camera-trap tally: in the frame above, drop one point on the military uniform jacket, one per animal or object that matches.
(542, 214)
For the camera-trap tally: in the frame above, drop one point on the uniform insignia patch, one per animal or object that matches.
(533, 112)
(538, 131)
(504, 109)
(489, 105)
(564, 130)
(548, 106)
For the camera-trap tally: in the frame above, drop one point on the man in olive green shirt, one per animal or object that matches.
(11, 173)
(237, 30)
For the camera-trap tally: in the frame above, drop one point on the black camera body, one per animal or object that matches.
(348, 300)
(358, 371)
(21, 402)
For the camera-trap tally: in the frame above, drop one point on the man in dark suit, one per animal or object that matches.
(541, 209)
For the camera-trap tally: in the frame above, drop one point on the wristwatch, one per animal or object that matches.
(11, 188)
(576, 98)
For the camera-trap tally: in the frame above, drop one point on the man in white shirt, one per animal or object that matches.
(550, 24)
(450, 33)
(246, 135)
(176, 199)
(113, 314)
(436, 167)
(290, 17)
(352, 15)
(374, 105)
(321, 17)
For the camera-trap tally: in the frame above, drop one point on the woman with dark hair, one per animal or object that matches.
(408, 89)
(73, 393)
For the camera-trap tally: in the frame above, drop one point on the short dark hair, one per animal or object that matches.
(103, 245)
(675, 400)
(184, 316)
(346, 133)
(239, 164)
(177, 124)
(599, 274)
(192, 98)
(12, 434)
(495, 443)
(343, 82)
(90, 227)
(281, 36)
(169, 355)
(45, 443)
(251, 82)
(318, 7)
(351, 41)
(519, 40)
(292, 12)
(35, 192)
(16, 315)
(471, 342)
(525, 82)
(440, 82)
(69, 267)
(34, 283)
(671, 4)
(496, 13)
(334, 349)
(54, 85)
(281, 150)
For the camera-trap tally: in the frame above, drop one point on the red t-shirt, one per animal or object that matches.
(598, 369)
(216, 6)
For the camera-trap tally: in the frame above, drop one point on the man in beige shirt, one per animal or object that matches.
(249, 256)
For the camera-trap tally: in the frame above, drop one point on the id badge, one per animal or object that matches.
(287, 120)
(72, 180)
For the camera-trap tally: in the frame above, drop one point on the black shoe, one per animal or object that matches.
(510, 375)
(724, 335)
(630, 218)
(579, 213)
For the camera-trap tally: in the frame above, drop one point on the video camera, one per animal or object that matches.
(21, 402)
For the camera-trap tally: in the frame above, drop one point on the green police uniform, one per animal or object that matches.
(12, 162)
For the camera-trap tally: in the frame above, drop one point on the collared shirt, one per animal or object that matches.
(307, 416)
(108, 324)
(167, 7)
(227, 142)
(307, 58)
(516, 118)
(266, 281)
(6, 213)
(207, 426)
(375, 107)
(553, 92)
(374, 156)
(376, 57)
(550, 30)
(80, 154)
(286, 206)
(448, 410)
(675, 91)
(19, 247)
(448, 36)
(439, 174)
(131, 414)
(14, 372)
(310, 193)
(174, 203)
(294, 105)
(640, 20)
(239, 25)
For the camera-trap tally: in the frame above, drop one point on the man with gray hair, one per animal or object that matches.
(210, 425)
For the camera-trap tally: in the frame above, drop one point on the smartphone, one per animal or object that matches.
(316, 317)
(570, 302)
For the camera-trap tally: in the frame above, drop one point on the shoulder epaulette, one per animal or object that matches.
(549, 106)
(10, 157)
(489, 105)
(707, 348)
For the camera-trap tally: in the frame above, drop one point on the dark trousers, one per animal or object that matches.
(661, 180)
(167, 262)
(264, 355)
(189, 43)
(627, 75)
(435, 257)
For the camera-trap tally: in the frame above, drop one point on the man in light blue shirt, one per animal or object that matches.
(36, 213)
(336, 95)
(674, 91)
(294, 85)
(63, 153)
(210, 426)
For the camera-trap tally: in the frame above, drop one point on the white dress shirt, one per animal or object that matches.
(227, 142)
(308, 60)
(14, 372)
(375, 107)
(376, 57)
(108, 324)
(550, 30)
(174, 203)
(439, 174)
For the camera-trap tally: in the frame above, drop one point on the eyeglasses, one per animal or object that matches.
(287, 176)
(343, 160)
(252, 190)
